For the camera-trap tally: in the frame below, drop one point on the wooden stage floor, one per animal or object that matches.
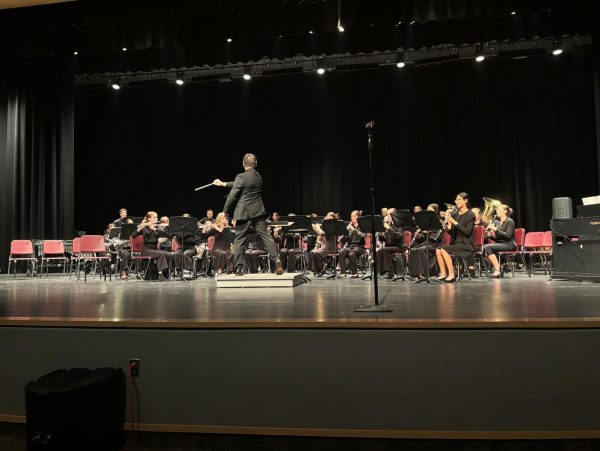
(518, 302)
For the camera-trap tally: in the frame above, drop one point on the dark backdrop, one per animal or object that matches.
(522, 131)
(36, 161)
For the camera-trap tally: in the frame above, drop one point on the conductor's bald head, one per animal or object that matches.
(250, 160)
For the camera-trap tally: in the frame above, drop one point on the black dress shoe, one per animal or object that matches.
(278, 267)
(239, 272)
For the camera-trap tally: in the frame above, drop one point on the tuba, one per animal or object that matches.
(489, 210)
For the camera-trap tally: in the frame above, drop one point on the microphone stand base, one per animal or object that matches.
(373, 309)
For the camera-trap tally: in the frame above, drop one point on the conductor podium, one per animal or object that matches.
(76, 409)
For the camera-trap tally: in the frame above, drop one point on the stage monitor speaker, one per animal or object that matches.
(76, 408)
(562, 208)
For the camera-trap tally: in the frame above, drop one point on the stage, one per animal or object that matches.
(519, 302)
(509, 358)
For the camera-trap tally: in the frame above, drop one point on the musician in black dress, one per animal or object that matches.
(255, 249)
(151, 232)
(183, 257)
(460, 226)
(502, 233)
(288, 249)
(418, 258)
(354, 248)
(392, 242)
(221, 254)
(325, 246)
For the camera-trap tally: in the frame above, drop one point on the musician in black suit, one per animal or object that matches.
(245, 201)
(122, 219)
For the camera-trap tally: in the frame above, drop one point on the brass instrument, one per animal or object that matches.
(450, 208)
(489, 211)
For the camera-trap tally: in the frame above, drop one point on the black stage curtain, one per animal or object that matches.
(521, 131)
(36, 162)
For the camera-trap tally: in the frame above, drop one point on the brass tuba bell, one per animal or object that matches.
(489, 210)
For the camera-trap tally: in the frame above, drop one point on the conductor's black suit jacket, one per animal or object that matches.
(245, 197)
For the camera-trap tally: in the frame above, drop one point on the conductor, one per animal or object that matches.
(245, 200)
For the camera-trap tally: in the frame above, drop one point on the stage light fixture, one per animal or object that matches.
(115, 85)
(229, 40)
(400, 60)
(311, 32)
(179, 79)
(320, 67)
(513, 13)
(247, 73)
(340, 27)
(124, 49)
(557, 47)
(75, 53)
(412, 22)
(479, 53)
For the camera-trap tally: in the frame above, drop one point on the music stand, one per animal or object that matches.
(364, 222)
(126, 231)
(337, 229)
(136, 219)
(403, 219)
(114, 232)
(182, 227)
(301, 226)
(228, 235)
(427, 221)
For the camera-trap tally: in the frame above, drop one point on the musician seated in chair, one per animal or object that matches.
(418, 260)
(221, 254)
(354, 248)
(502, 232)
(151, 231)
(182, 257)
(325, 246)
(255, 249)
(460, 224)
(392, 242)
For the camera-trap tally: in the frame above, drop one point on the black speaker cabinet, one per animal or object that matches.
(562, 208)
(76, 408)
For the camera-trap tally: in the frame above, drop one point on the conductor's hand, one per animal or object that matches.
(218, 182)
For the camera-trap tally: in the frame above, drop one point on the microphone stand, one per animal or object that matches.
(376, 307)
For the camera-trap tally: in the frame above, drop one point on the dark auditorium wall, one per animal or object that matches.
(522, 131)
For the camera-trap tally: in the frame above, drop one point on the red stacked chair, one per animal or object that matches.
(53, 250)
(510, 255)
(478, 241)
(531, 246)
(22, 250)
(75, 254)
(137, 245)
(209, 247)
(93, 249)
